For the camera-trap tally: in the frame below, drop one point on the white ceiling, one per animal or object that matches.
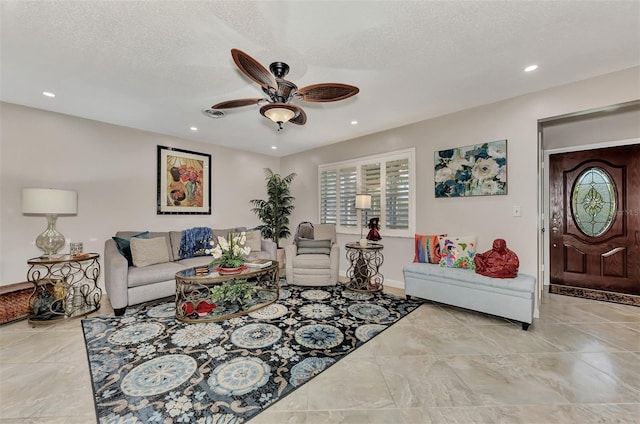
(154, 65)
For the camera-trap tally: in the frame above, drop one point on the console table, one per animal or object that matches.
(75, 284)
(364, 267)
(194, 302)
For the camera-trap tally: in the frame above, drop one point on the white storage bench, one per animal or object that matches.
(511, 298)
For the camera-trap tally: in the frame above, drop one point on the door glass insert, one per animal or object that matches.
(593, 201)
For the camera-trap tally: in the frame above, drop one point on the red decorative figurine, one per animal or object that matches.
(498, 262)
(374, 226)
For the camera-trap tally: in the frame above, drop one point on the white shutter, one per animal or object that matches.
(328, 196)
(371, 185)
(348, 182)
(397, 194)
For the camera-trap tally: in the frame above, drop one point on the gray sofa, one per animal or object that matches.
(511, 298)
(129, 285)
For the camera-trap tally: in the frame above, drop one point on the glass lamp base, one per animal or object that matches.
(50, 241)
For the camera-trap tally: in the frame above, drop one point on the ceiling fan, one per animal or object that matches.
(277, 106)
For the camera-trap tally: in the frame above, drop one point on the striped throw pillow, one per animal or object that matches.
(427, 249)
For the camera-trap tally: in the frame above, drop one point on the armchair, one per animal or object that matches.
(314, 269)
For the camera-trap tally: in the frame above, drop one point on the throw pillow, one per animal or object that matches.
(308, 247)
(147, 252)
(427, 249)
(254, 240)
(124, 245)
(457, 252)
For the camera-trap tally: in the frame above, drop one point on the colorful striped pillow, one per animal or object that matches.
(427, 248)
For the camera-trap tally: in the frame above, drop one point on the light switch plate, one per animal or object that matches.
(516, 210)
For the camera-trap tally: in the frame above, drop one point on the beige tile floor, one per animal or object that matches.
(578, 363)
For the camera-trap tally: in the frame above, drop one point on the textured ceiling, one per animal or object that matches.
(154, 65)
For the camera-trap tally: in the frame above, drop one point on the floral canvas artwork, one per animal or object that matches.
(183, 181)
(478, 170)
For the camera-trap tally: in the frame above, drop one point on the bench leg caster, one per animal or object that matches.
(525, 326)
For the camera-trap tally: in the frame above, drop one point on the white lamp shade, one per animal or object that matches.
(49, 201)
(363, 201)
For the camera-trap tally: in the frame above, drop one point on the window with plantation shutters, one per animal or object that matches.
(388, 178)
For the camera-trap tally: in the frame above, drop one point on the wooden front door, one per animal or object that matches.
(594, 219)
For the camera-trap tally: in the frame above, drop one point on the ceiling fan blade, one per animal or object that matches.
(254, 70)
(327, 92)
(236, 103)
(300, 118)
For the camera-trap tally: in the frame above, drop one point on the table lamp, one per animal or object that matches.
(363, 202)
(49, 202)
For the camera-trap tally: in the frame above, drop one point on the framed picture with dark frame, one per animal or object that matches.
(184, 182)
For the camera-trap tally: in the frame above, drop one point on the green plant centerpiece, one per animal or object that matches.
(274, 212)
(233, 291)
(230, 252)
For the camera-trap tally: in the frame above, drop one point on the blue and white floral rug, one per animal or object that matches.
(146, 367)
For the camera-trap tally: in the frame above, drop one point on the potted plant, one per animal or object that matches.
(233, 291)
(227, 254)
(274, 212)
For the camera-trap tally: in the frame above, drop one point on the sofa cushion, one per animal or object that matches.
(457, 252)
(153, 274)
(307, 246)
(124, 244)
(225, 232)
(147, 252)
(195, 261)
(175, 237)
(262, 254)
(152, 234)
(312, 261)
(254, 240)
(427, 248)
(325, 232)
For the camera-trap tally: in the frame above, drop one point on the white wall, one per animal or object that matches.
(114, 170)
(487, 217)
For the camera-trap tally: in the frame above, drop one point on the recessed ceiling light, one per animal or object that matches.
(531, 68)
(48, 94)
(354, 122)
(193, 128)
(274, 147)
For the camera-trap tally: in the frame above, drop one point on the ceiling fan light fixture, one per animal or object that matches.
(278, 112)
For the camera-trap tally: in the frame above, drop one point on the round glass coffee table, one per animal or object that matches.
(205, 295)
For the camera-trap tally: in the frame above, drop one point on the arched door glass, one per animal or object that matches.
(593, 201)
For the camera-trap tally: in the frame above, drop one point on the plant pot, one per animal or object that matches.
(280, 259)
(230, 271)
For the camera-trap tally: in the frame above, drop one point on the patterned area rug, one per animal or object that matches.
(146, 367)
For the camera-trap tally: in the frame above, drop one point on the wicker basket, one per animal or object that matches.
(14, 302)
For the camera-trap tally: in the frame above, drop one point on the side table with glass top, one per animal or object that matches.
(364, 267)
(74, 285)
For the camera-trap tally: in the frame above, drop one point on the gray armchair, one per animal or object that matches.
(314, 269)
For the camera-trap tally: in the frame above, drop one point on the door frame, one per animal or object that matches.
(543, 235)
